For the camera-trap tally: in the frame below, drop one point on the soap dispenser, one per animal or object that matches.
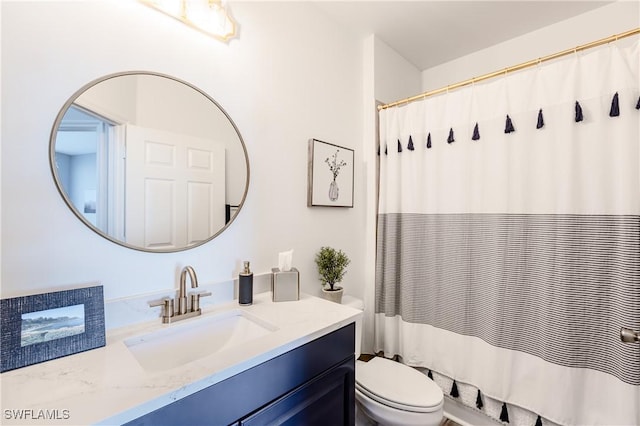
(245, 286)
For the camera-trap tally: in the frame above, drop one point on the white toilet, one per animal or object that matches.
(393, 394)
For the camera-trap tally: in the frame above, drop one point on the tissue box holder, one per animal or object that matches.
(285, 285)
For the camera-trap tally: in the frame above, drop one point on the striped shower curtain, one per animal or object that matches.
(508, 251)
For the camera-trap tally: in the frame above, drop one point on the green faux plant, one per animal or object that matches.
(332, 266)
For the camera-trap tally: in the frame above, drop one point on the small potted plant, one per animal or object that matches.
(332, 265)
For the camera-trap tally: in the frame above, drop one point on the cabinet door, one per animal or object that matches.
(327, 400)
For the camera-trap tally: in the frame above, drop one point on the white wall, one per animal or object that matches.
(590, 26)
(395, 77)
(291, 76)
(115, 98)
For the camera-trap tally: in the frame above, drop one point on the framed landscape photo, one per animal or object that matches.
(46, 326)
(330, 181)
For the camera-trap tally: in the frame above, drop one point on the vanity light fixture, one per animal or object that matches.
(207, 16)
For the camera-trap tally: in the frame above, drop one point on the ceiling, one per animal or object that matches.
(429, 33)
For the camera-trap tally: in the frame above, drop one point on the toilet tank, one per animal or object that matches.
(355, 303)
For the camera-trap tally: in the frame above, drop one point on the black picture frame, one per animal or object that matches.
(330, 175)
(42, 327)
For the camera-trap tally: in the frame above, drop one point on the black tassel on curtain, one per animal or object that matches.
(539, 421)
(615, 106)
(638, 104)
(504, 414)
(450, 138)
(540, 123)
(410, 144)
(508, 127)
(399, 146)
(476, 133)
(479, 403)
(454, 390)
(430, 375)
(429, 140)
(579, 116)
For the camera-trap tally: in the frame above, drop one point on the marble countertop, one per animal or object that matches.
(108, 386)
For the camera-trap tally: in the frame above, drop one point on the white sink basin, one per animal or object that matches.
(181, 343)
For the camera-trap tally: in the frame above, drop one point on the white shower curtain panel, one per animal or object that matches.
(511, 261)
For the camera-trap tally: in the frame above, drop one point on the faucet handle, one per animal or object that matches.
(195, 299)
(167, 306)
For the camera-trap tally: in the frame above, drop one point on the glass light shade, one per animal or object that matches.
(207, 16)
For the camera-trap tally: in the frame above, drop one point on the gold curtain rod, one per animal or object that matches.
(511, 69)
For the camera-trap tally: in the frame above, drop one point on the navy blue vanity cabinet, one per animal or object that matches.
(310, 385)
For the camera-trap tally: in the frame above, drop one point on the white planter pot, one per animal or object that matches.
(334, 296)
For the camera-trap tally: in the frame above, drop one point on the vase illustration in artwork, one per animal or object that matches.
(334, 191)
(334, 167)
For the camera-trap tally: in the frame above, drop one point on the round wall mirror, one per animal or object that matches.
(149, 162)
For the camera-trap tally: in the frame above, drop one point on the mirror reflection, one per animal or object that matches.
(149, 162)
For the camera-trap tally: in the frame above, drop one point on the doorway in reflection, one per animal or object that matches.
(82, 153)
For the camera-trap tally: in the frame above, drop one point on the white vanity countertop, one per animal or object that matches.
(108, 386)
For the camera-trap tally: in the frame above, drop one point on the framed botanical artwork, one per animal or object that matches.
(46, 326)
(330, 175)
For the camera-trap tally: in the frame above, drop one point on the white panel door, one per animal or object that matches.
(175, 188)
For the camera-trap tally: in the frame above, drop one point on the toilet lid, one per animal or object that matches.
(397, 385)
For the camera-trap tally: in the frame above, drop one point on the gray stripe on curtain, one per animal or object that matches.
(558, 287)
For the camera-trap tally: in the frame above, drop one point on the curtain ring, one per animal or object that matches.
(615, 41)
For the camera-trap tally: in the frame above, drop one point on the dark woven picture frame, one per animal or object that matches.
(81, 333)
